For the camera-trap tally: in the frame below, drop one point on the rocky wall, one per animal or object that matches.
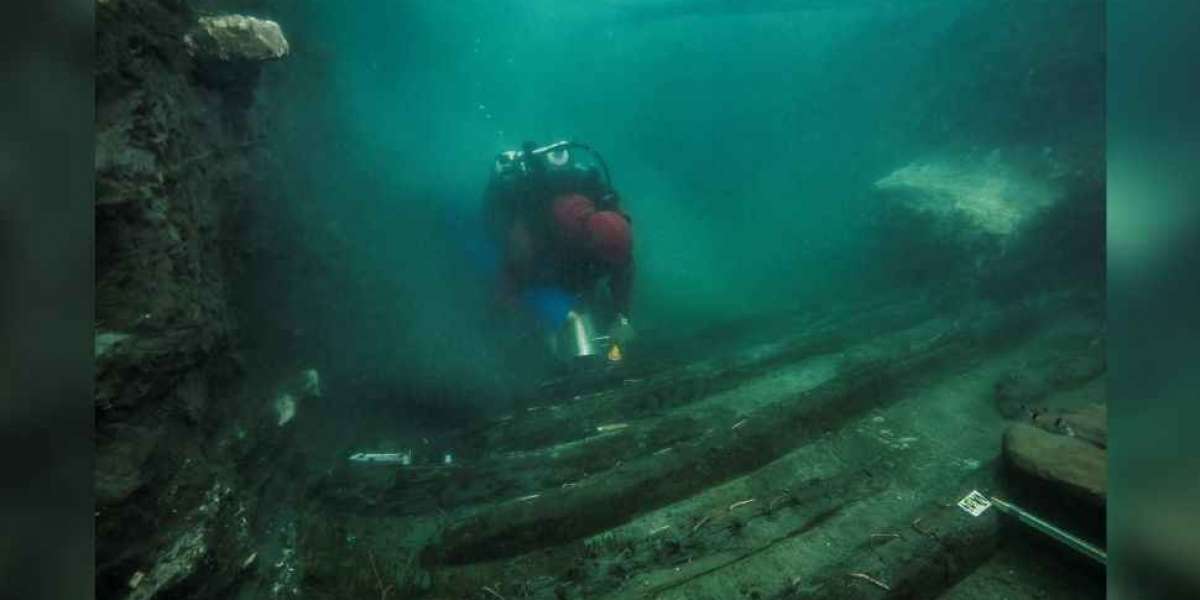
(171, 162)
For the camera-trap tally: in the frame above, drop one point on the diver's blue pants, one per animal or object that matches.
(549, 306)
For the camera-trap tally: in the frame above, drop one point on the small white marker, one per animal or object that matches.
(974, 503)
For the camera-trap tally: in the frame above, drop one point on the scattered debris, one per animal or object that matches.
(106, 340)
(137, 578)
(494, 593)
(863, 576)
(383, 591)
(249, 560)
(285, 407)
(740, 503)
(914, 524)
(611, 427)
(778, 499)
(528, 498)
(738, 424)
(181, 562)
(388, 458)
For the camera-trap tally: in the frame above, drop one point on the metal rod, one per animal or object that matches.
(1073, 542)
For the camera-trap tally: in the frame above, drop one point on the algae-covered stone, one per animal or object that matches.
(991, 196)
(1088, 423)
(106, 340)
(1069, 464)
(236, 37)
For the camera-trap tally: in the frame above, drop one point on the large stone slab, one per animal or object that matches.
(1068, 464)
(1089, 423)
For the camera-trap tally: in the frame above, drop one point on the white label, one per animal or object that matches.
(975, 503)
(403, 458)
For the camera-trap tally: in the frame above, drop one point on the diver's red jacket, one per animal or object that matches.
(566, 231)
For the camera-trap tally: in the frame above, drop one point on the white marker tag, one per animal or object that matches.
(975, 503)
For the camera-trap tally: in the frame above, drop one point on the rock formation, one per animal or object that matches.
(170, 178)
(236, 37)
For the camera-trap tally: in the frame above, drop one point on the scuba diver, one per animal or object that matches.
(566, 247)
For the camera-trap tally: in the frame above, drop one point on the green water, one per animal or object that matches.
(744, 138)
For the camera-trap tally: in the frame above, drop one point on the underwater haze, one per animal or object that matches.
(744, 138)
(867, 290)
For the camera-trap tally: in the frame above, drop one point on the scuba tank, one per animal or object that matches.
(578, 337)
(531, 163)
(579, 343)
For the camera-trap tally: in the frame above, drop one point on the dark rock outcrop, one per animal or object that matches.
(228, 52)
(170, 178)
